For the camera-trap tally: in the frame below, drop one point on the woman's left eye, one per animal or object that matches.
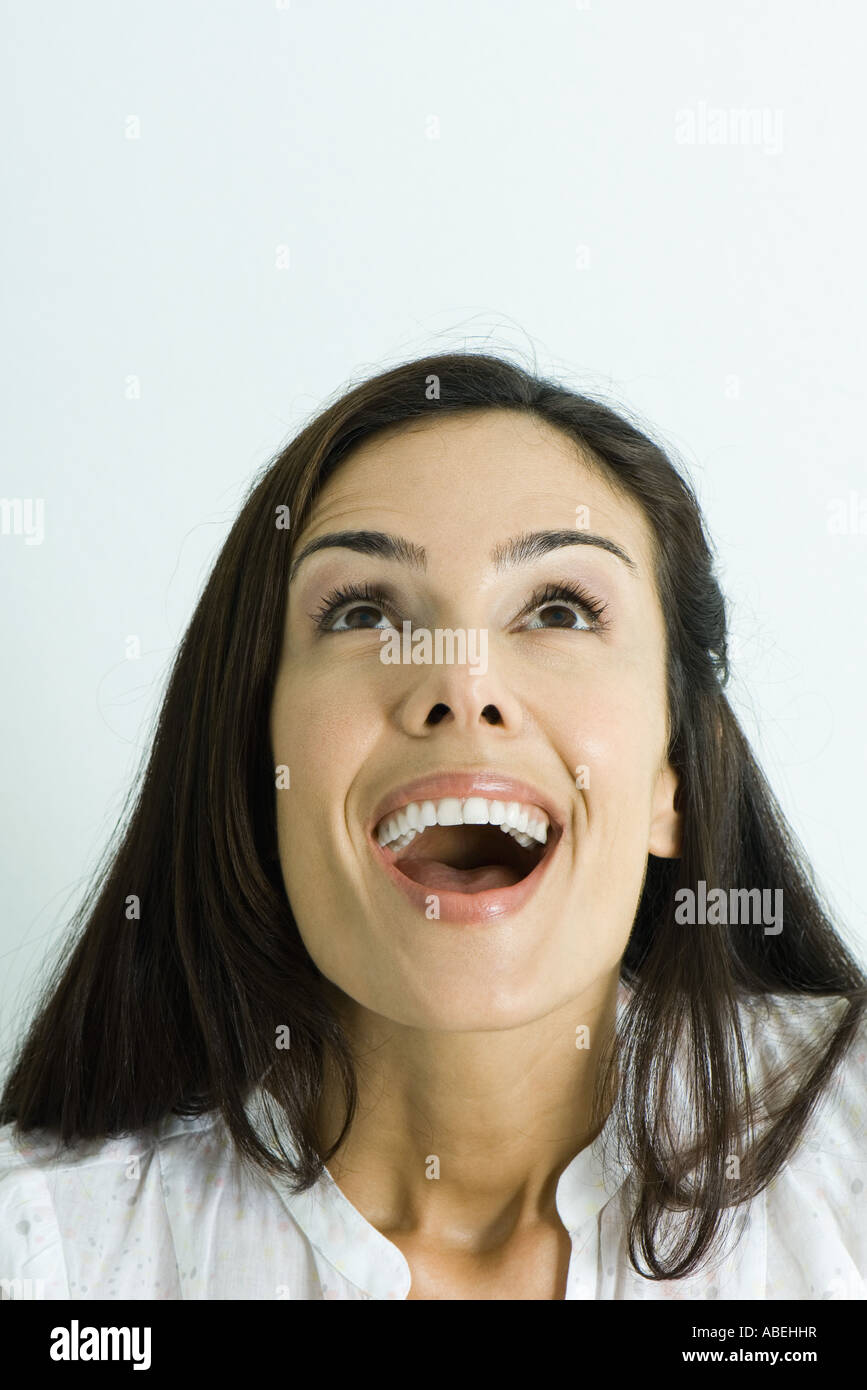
(564, 603)
(564, 615)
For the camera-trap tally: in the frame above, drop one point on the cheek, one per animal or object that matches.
(613, 727)
(613, 738)
(323, 737)
(321, 724)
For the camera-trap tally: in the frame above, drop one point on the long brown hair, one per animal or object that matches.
(176, 1009)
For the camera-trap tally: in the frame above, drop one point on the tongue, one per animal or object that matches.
(430, 873)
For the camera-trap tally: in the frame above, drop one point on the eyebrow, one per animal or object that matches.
(366, 543)
(532, 545)
(520, 550)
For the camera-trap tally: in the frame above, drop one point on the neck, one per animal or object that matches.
(462, 1136)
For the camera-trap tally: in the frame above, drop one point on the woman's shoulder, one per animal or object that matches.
(789, 1033)
(786, 1037)
(816, 1206)
(85, 1194)
(781, 1020)
(35, 1167)
(31, 1155)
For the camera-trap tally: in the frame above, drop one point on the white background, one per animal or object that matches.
(513, 177)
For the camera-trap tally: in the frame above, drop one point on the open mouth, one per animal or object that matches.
(492, 845)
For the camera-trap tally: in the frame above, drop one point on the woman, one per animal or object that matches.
(451, 870)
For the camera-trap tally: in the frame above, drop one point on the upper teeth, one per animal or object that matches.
(525, 823)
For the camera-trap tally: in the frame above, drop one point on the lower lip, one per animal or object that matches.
(466, 909)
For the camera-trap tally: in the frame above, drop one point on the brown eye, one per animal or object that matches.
(564, 616)
(363, 604)
(566, 607)
(367, 615)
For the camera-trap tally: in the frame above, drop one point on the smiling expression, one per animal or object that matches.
(546, 773)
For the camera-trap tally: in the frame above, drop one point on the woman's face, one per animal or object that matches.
(573, 710)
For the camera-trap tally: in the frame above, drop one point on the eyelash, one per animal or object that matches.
(565, 591)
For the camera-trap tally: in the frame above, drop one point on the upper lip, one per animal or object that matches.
(493, 786)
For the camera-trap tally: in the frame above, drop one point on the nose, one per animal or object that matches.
(452, 695)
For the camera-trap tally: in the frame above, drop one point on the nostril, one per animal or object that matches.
(490, 714)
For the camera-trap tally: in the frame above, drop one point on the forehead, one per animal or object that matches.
(473, 479)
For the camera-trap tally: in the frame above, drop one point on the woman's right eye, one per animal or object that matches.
(365, 616)
(355, 608)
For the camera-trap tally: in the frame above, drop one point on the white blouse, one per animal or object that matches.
(168, 1213)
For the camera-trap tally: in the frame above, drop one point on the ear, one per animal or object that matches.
(666, 824)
